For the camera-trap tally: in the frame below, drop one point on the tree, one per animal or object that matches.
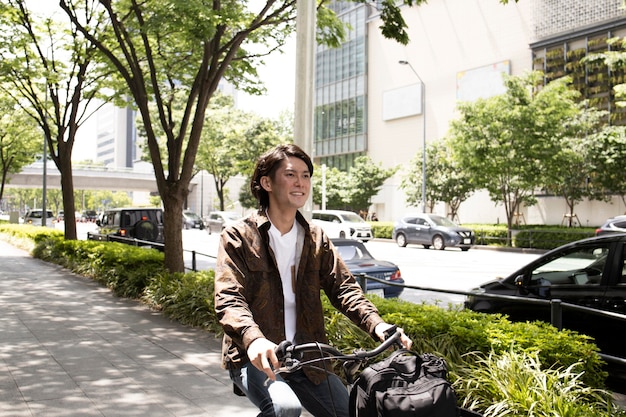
(336, 189)
(351, 190)
(607, 153)
(364, 181)
(20, 140)
(446, 180)
(231, 141)
(48, 69)
(570, 169)
(506, 141)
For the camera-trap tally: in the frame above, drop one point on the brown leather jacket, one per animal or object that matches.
(249, 296)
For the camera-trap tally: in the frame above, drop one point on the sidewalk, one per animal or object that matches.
(68, 347)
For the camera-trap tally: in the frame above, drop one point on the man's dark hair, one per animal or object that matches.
(268, 163)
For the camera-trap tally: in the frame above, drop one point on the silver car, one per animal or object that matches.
(216, 221)
(34, 216)
(429, 229)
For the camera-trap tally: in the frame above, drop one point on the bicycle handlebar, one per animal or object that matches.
(290, 355)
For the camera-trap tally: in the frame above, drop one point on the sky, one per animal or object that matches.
(279, 77)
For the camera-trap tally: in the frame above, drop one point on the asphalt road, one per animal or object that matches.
(450, 269)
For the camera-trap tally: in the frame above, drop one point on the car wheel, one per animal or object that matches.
(438, 242)
(401, 240)
(342, 235)
(145, 230)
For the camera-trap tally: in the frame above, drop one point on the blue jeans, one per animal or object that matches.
(285, 397)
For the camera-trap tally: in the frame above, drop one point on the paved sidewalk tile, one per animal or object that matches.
(69, 347)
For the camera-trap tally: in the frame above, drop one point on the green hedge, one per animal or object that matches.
(382, 230)
(549, 238)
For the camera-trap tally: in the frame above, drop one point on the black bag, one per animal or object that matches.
(404, 384)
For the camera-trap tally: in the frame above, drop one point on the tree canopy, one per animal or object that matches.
(447, 181)
(511, 143)
(20, 140)
(51, 73)
(352, 190)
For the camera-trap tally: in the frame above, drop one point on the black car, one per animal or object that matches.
(131, 224)
(429, 229)
(192, 221)
(360, 261)
(615, 224)
(589, 273)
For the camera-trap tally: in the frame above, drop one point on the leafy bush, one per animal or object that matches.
(515, 384)
(124, 269)
(187, 298)
(549, 238)
(382, 230)
(453, 332)
(495, 235)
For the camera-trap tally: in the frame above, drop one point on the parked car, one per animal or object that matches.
(131, 224)
(429, 229)
(60, 216)
(192, 221)
(216, 221)
(360, 261)
(615, 224)
(589, 272)
(342, 224)
(89, 216)
(34, 216)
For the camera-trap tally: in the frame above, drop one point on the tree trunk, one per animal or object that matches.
(64, 165)
(172, 221)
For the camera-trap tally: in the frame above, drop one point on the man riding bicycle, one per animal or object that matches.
(270, 270)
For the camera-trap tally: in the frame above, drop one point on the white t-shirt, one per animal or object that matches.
(284, 247)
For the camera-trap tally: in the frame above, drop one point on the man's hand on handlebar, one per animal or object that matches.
(382, 328)
(262, 354)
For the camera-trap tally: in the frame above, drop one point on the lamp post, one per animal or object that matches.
(423, 87)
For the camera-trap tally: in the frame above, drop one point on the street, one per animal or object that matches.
(450, 269)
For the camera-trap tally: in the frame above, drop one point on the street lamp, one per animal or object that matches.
(423, 86)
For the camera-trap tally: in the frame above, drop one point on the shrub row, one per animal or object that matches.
(468, 340)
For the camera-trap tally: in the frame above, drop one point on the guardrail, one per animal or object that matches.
(556, 306)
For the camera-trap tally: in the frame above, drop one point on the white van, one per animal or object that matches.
(342, 224)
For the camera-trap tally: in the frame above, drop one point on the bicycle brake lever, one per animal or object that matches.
(390, 331)
(281, 350)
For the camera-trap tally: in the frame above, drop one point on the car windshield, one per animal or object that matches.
(350, 252)
(37, 214)
(192, 215)
(443, 221)
(351, 217)
(231, 216)
(579, 266)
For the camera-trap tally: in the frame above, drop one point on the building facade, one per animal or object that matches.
(116, 137)
(458, 50)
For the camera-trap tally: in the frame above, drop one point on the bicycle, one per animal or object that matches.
(291, 358)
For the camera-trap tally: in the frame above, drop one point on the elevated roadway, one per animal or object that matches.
(89, 178)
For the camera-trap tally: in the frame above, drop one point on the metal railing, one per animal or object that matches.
(148, 244)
